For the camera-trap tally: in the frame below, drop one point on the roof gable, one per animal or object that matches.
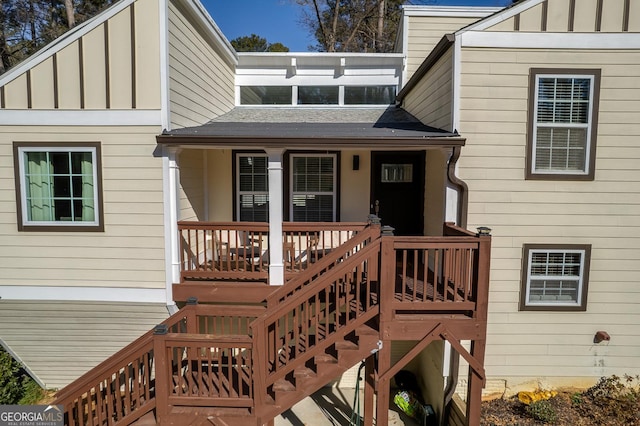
(63, 41)
(562, 16)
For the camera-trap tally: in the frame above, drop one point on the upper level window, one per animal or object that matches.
(369, 95)
(265, 95)
(252, 195)
(318, 95)
(58, 187)
(313, 187)
(563, 124)
(555, 277)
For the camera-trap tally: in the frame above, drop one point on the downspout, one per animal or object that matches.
(460, 187)
(452, 380)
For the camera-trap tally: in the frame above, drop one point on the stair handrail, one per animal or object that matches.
(263, 377)
(303, 279)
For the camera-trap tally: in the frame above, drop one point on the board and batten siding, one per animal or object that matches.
(60, 341)
(201, 79)
(114, 66)
(130, 251)
(578, 16)
(424, 33)
(556, 346)
(430, 100)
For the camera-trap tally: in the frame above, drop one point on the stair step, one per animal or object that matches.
(283, 385)
(345, 345)
(148, 419)
(304, 372)
(365, 330)
(325, 359)
(230, 421)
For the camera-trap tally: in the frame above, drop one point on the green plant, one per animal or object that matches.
(10, 379)
(577, 399)
(16, 386)
(542, 410)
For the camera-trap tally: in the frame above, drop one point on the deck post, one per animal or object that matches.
(476, 382)
(161, 369)
(383, 386)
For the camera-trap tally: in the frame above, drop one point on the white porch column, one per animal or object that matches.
(276, 266)
(171, 180)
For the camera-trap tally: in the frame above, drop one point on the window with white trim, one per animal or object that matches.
(555, 277)
(58, 187)
(563, 124)
(252, 195)
(313, 187)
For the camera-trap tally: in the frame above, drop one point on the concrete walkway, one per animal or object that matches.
(333, 406)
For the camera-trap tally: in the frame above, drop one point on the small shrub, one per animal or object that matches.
(10, 379)
(16, 386)
(577, 399)
(542, 410)
(615, 398)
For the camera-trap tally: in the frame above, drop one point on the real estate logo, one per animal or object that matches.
(31, 415)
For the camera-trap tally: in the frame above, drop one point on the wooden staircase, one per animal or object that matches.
(214, 364)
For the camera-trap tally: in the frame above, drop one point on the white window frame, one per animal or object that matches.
(593, 75)
(335, 182)
(27, 224)
(582, 279)
(239, 193)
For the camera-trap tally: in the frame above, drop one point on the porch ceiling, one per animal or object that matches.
(310, 127)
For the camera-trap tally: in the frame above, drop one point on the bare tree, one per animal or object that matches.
(352, 25)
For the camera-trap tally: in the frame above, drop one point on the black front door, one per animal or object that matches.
(397, 190)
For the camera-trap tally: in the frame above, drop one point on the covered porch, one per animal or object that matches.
(277, 188)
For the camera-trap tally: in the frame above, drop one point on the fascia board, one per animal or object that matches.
(500, 16)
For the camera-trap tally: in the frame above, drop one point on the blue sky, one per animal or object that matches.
(278, 20)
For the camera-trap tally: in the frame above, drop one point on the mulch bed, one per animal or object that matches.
(571, 409)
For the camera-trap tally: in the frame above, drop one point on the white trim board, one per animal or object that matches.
(40, 117)
(93, 294)
(544, 40)
(452, 11)
(499, 17)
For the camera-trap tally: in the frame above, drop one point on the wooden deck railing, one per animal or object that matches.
(306, 323)
(129, 384)
(430, 274)
(240, 250)
(232, 356)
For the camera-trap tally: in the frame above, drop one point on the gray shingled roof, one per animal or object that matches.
(307, 126)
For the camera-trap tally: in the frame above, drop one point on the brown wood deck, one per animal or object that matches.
(260, 349)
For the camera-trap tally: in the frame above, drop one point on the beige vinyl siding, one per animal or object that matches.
(355, 187)
(201, 80)
(604, 213)
(130, 251)
(219, 180)
(430, 101)
(192, 185)
(132, 65)
(59, 341)
(424, 32)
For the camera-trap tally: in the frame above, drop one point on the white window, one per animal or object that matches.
(313, 187)
(562, 140)
(252, 202)
(555, 277)
(58, 187)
